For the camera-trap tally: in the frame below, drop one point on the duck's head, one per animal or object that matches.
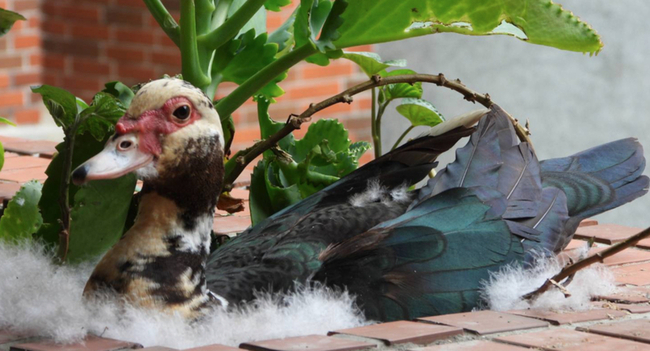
(171, 133)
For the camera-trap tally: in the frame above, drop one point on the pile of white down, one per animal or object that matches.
(42, 298)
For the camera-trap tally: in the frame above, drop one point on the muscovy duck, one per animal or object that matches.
(403, 253)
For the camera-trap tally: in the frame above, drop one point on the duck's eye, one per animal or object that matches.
(125, 145)
(182, 112)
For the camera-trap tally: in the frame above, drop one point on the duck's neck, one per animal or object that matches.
(160, 262)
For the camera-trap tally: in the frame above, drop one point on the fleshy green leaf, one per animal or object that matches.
(257, 22)
(541, 22)
(259, 200)
(420, 112)
(61, 104)
(228, 127)
(98, 216)
(314, 17)
(325, 129)
(120, 91)
(372, 63)
(276, 5)
(7, 20)
(399, 90)
(310, 19)
(283, 36)
(247, 56)
(281, 197)
(22, 218)
(268, 126)
(358, 149)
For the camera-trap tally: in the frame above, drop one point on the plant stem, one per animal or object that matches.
(64, 188)
(191, 65)
(380, 113)
(204, 10)
(373, 120)
(597, 257)
(236, 165)
(165, 20)
(220, 13)
(399, 140)
(232, 26)
(252, 85)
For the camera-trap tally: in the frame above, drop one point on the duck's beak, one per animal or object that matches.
(120, 156)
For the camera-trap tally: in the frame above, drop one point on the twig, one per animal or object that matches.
(597, 257)
(561, 288)
(346, 96)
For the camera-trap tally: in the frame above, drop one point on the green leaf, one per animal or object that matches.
(420, 112)
(280, 196)
(98, 216)
(85, 147)
(7, 20)
(245, 57)
(310, 19)
(22, 218)
(541, 22)
(358, 149)
(259, 200)
(275, 5)
(399, 90)
(283, 36)
(314, 17)
(257, 22)
(268, 126)
(61, 104)
(371, 63)
(6, 121)
(101, 116)
(228, 127)
(120, 91)
(324, 129)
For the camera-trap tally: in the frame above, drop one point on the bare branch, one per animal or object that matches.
(294, 122)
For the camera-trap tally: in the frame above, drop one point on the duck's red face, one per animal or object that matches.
(144, 131)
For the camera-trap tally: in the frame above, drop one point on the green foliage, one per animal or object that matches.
(22, 218)
(61, 104)
(120, 91)
(402, 90)
(299, 168)
(420, 112)
(85, 147)
(7, 20)
(541, 21)
(98, 211)
(371, 62)
(98, 216)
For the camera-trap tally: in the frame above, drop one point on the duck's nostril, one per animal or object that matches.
(79, 175)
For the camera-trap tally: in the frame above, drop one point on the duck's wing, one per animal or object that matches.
(494, 205)
(428, 261)
(285, 247)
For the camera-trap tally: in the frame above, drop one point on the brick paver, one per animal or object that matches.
(402, 332)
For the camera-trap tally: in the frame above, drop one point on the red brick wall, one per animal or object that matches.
(20, 63)
(87, 43)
